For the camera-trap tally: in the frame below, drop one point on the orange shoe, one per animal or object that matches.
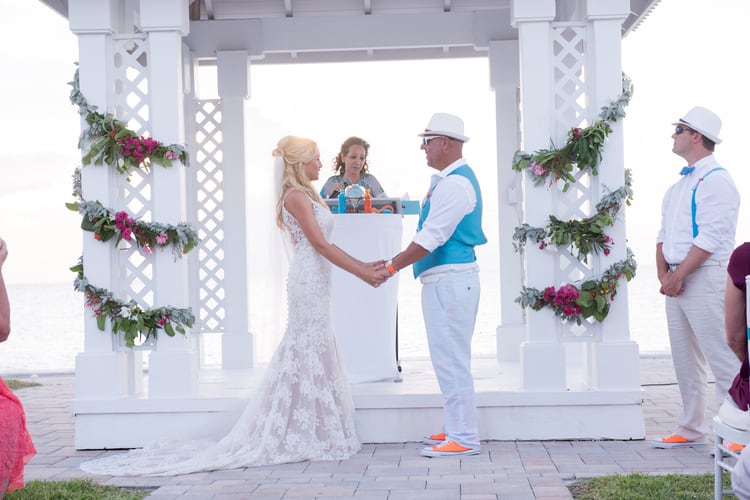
(676, 441)
(732, 446)
(434, 438)
(448, 449)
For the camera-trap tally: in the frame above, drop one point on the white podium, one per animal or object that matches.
(365, 317)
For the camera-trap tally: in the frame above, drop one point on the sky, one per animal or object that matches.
(681, 56)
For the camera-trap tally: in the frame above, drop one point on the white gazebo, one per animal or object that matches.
(553, 65)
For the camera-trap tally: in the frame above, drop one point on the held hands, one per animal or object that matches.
(383, 272)
(371, 273)
(671, 284)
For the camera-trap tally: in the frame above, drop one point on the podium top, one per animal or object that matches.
(378, 204)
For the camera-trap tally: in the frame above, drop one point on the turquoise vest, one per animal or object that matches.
(459, 249)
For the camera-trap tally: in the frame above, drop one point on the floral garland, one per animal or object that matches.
(147, 236)
(576, 303)
(586, 235)
(583, 147)
(128, 317)
(110, 142)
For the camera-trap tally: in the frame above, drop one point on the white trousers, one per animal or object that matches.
(697, 337)
(450, 306)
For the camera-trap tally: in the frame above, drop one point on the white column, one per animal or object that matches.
(614, 362)
(237, 343)
(101, 371)
(504, 81)
(542, 355)
(173, 366)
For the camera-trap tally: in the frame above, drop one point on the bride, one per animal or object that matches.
(303, 409)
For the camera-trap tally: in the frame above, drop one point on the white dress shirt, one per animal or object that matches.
(717, 205)
(452, 197)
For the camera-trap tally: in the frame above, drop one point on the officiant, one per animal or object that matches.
(351, 167)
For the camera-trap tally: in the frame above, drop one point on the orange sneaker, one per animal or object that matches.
(732, 446)
(676, 441)
(434, 438)
(448, 449)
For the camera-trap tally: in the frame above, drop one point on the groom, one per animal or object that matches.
(442, 251)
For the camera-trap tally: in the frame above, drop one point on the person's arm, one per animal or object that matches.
(662, 267)
(409, 256)
(298, 204)
(735, 320)
(4, 302)
(376, 190)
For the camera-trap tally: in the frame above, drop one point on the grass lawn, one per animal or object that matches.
(76, 489)
(644, 486)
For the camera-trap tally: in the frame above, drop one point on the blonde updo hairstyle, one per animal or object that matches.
(291, 153)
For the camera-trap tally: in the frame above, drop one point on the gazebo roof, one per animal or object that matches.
(286, 31)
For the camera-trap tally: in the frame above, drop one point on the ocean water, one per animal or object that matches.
(47, 325)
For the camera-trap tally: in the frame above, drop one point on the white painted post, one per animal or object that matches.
(237, 343)
(542, 355)
(504, 81)
(173, 366)
(101, 371)
(614, 361)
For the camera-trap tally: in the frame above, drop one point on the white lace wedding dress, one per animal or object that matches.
(303, 409)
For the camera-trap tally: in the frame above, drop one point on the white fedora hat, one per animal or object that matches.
(704, 121)
(447, 125)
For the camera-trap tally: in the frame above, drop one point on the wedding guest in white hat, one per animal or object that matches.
(443, 258)
(696, 238)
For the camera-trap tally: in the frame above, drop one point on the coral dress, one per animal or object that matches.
(303, 409)
(16, 447)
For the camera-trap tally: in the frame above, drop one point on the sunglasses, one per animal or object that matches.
(426, 140)
(680, 129)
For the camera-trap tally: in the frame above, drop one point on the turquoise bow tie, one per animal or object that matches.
(686, 170)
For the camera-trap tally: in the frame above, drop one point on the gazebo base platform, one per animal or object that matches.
(387, 411)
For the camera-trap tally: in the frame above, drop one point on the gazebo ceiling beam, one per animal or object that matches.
(426, 33)
(256, 9)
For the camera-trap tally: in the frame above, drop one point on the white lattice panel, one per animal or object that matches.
(131, 82)
(134, 194)
(209, 202)
(571, 110)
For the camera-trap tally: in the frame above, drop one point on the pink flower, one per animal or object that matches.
(147, 250)
(536, 168)
(170, 155)
(162, 321)
(162, 238)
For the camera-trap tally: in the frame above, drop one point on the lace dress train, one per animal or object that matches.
(303, 409)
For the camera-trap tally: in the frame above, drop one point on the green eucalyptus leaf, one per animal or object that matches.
(168, 328)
